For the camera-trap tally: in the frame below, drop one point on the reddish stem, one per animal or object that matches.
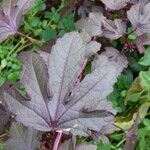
(83, 68)
(43, 146)
(57, 141)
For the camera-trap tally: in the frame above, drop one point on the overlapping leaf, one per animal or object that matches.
(133, 93)
(11, 13)
(137, 1)
(131, 136)
(145, 80)
(115, 56)
(57, 102)
(106, 130)
(71, 144)
(142, 41)
(114, 29)
(115, 4)
(22, 138)
(145, 60)
(139, 16)
(91, 24)
(4, 113)
(91, 46)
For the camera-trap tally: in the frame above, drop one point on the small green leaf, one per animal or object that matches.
(35, 22)
(146, 122)
(143, 110)
(48, 34)
(145, 80)
(37, 32)
(2, 81)
(132, 37)
(15, 67)
(44, 23)
(124, 93)
(145, 60)
(134, 65)
(103, 146)
(14, 76)
(53, 16)
(135, 97)
(3, 63)
(129, 30)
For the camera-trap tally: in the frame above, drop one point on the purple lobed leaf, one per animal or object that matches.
(113, 29)
(142, 41)
(11, 13)
(139, 16)
(57, 102)
(22, 138)
(115, 4)
(92, 24)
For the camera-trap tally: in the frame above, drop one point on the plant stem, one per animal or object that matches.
(131, 32)
(121, 142)
(83, 68)
(61, 6)
(57, 141)
(3, 135)
(14, 48)
(113, 147)
(120, 128)
(22, 47)
(28, 37)
(28, 25)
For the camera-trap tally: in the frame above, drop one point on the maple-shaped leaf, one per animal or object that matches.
(11, 13)
(22, 138)
(115, 4)
(114, 29)
(91, 24)
(139, 16)
(57, 101)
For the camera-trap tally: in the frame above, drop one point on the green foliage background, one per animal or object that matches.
(47, 25)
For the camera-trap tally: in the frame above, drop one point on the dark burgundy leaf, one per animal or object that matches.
(22, 138)
(4, 116)
(57, 101)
